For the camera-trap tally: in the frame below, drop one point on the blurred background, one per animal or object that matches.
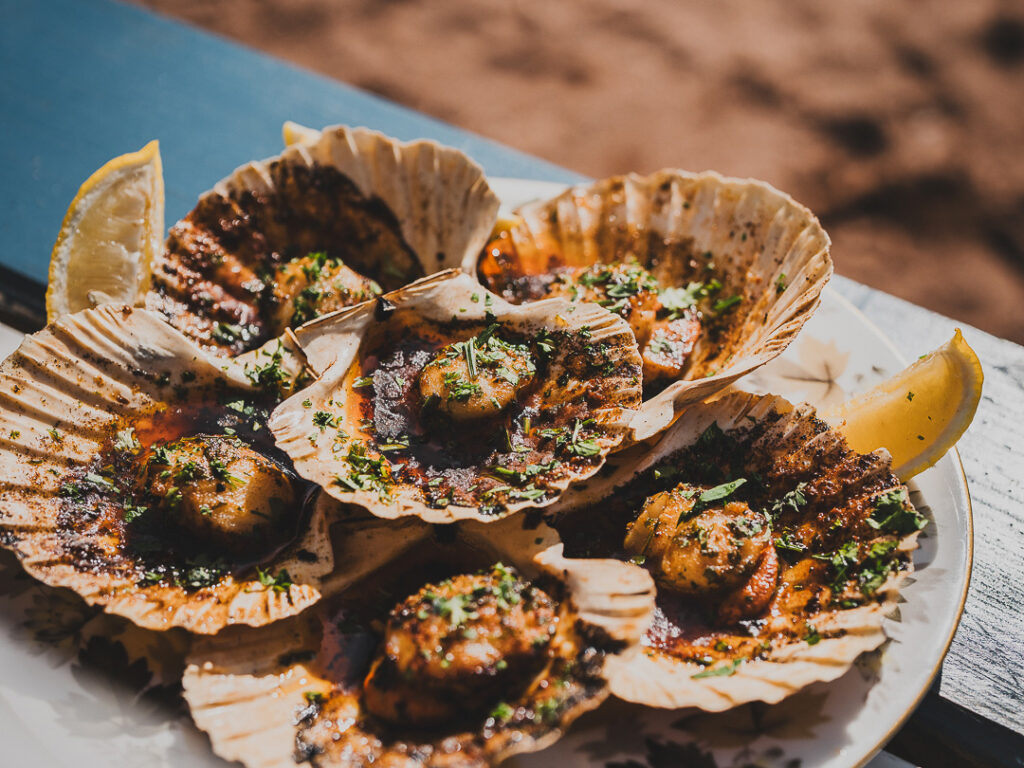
(901, 124)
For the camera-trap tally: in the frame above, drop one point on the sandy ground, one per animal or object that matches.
(900, 123)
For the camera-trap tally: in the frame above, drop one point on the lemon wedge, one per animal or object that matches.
(919, 413)
(109, 235)
(294, 133)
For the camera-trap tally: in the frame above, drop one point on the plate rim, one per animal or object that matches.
(965, 488)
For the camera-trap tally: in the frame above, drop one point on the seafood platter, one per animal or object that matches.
(408, 478)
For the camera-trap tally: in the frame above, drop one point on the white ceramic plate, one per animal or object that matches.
(79, 689)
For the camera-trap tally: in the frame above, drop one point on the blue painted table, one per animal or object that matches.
(85, 80)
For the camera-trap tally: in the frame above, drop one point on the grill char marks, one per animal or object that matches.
(220, 260)
(837, 491)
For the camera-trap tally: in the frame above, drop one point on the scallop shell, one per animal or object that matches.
(65, 391)
(765, 247)
(392, 211)
(336, 345)
(789, 439)
(247, 689)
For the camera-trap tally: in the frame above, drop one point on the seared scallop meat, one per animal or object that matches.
(454, 648)
(626, 288)
(669, 347)
(475, 378)
(219, 489)
(315, 285)
(699, 545)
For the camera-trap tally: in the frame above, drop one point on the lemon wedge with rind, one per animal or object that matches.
(109, 235)
(918, 414)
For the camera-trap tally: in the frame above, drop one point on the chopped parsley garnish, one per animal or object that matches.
(219, 469)
(723, 670)
(469, 353)
(160, 455)
(399, 443)
(718, 493)
(678, 300)
(200, 575)
(70, 490)
(280, 583)
(367, 473)
(842, 561)
(187, 471)
(725, 304)
(780, 283)
(877, 566)
(269, 376)
(228, 333)
(660, 343)
(813, 637)
(454, 609)
(323, 420)
(746, 527)
(618, 285)
(792, 501)
(871, 573)
(133, 511)
(571, 440)
(522, 476)
(317, 261)
(546, 709)
(362, 381)
(893, 513)
(788, 545)
(502, 712)
(305, 306)
(98, 482)
(460, 389)
(545, 342)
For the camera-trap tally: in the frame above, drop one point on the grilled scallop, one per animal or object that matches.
(716, 276)
(219, 489)
(478, 380)
(776, 548)
(139, 473)
(465, 670)
(322, 226)
(442, 401)
(314, 285)
(459, 646)
(698, 548)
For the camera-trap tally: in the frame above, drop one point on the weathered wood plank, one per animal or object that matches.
(984, 671)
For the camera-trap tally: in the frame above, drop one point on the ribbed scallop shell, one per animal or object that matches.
(791, 437)
(393, 211)
(247, 689)
(763, 246)
(64, 391)
(336, 347)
